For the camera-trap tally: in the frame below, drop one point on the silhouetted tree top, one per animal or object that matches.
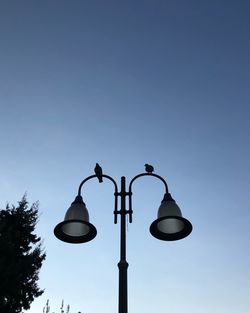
(21, 257)
(46, 309)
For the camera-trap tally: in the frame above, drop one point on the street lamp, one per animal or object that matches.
(169, 225)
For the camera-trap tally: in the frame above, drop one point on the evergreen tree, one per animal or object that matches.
(21, 257)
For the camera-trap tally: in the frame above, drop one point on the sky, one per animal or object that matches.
(124, 83)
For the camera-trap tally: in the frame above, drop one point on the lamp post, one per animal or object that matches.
(169, 225)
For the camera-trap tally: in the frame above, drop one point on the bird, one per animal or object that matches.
(98, 172)
(149, 168)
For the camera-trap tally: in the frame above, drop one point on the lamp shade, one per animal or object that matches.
(170, 225)
(76, 227)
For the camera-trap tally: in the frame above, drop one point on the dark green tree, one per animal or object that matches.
(21, 257)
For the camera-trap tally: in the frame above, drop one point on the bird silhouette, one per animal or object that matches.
(98, 172)
(149, 168)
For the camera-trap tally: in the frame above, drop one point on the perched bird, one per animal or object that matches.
(149, 168)
(98, 172)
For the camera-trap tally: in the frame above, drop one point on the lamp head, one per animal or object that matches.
(170, 225)
(76, 227)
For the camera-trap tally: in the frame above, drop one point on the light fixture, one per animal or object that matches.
(170, 225)
(76, 227)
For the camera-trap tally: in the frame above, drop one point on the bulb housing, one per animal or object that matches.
(76, 227)
(170, 225)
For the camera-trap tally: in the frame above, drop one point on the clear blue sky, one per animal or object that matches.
(125, 83)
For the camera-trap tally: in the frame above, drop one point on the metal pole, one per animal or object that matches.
(123, 264)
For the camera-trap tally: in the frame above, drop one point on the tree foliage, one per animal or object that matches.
(21, 257)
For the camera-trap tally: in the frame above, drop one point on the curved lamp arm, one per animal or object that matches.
(115, 193)
(130, 189)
